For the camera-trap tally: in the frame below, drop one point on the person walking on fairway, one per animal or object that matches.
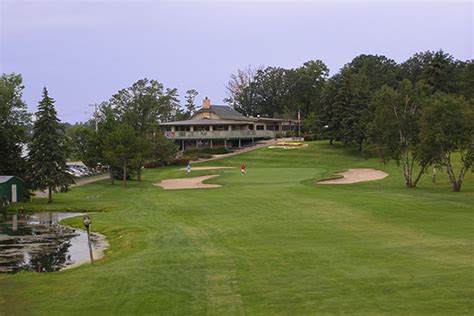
(188, 169)
(242, 170)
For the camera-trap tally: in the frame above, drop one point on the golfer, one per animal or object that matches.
(242, 170)
(188, 168)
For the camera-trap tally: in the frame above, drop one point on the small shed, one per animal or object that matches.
(12, 187)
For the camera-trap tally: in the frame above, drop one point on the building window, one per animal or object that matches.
(260, 127)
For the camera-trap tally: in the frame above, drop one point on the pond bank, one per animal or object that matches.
(37, 242)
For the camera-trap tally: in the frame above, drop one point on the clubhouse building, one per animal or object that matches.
(222, 126)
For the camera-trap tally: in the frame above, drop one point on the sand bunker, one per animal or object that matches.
(188, 183)
(355, 176)
(207, 168)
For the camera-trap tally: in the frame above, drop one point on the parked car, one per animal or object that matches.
(80, 171)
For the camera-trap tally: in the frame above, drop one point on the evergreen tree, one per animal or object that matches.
(190, 102)
(47, 157)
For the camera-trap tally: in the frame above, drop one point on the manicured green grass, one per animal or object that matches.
(271, 242)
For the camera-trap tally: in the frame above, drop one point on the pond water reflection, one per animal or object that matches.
(36, 242)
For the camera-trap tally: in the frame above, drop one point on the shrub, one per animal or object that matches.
(180, 162)
(204, 153)
(204, 156)
(152, 164)
(117, 173)
(309, 137)
(216, 151)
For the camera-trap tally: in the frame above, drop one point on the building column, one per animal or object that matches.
(197, 144)
(240, 143)
(210, 143)
(230, 127)
(182, 145)
(225, 143)
(210, 128)
(191, 128)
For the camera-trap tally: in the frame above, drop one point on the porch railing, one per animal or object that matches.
(220, 134)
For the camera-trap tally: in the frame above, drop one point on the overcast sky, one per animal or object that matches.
(84, 51)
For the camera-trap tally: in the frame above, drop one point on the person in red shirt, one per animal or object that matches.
(242, 170)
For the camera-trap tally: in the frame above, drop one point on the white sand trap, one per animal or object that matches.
(355, 176)
(188, 183)
(207, 168)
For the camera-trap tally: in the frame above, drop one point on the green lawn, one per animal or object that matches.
(272, 242)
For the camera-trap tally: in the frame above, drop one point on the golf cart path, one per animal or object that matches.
(44, 194)
(90, 180)
(208, 168)
(356, 175)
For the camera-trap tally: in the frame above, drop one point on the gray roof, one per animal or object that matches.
(207, 122)
(226, 113)
(4, 179)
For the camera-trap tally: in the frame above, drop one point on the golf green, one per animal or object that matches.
(270, 242)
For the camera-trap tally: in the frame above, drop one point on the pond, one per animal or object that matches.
(37, 242)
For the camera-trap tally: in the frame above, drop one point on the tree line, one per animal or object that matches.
(418, 113)
(123, 134)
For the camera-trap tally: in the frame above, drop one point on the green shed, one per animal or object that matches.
(12, 187)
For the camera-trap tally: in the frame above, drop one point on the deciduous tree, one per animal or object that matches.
(14, 120)
(122, 148)
(394, 132)
(447, 132)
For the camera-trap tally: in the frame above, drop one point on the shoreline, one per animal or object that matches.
(99, 246)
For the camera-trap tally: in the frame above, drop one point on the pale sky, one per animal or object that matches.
(84, 51)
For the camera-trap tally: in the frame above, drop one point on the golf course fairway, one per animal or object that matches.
(269, 242)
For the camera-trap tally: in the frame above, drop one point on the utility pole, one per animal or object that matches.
(299, 123)
(96, 115)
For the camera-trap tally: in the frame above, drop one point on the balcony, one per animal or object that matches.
(245, 134)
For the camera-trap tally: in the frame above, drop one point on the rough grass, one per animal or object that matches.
(271, 242)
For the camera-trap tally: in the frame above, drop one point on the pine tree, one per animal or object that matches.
(47, 157)
(190, 105)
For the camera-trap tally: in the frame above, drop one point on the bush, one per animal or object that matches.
(216, 151)
(309, 137)
(180, 162)
(117, 173)
(190, 156)
(4, 203)
(204, 153)
(152, 164)
(196, 156)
